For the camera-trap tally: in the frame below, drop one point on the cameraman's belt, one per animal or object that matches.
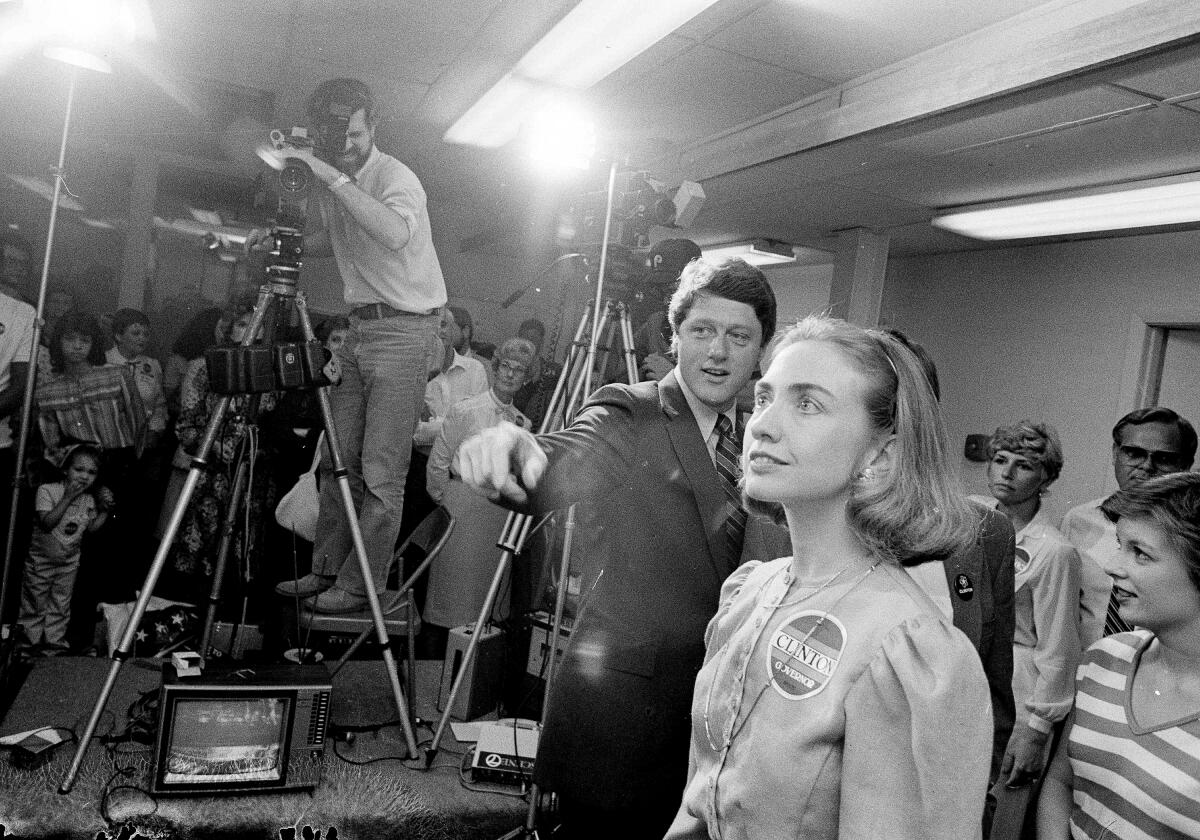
(375, 311)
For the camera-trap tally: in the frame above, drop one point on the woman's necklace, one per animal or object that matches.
(765, 622)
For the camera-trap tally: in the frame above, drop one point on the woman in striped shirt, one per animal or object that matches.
(1130, 766)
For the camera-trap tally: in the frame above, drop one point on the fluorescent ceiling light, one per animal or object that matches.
(757, 252)
(1153, 203)
(589, 43)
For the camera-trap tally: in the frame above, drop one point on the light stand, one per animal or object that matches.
(31, 378)
(573, 385)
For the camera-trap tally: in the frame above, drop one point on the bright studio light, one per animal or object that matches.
(82, 23)
(561, 137)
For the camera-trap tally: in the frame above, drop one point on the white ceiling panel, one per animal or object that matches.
(703, 91)
(839, 40)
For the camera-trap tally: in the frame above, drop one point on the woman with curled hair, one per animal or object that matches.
(1128, 765)
(836, 700)
(1024, 459)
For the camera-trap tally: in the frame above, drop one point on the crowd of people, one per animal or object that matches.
(792, 620)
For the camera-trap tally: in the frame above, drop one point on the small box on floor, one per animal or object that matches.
(480, 692)
(505, 751)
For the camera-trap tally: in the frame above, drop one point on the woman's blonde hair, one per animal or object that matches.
(917, 510)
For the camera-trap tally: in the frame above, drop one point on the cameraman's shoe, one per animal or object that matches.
(305, 587)
(333, 601)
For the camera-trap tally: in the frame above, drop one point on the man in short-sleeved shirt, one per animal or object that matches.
(376, 226)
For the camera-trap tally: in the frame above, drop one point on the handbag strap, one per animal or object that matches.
(316, 462)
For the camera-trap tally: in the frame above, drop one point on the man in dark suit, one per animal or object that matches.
(660, 528)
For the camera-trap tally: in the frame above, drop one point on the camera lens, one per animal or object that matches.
(294, 176)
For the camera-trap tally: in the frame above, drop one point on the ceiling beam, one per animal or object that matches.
(1052, 41)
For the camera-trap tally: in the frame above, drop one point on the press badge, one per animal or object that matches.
(804, 653)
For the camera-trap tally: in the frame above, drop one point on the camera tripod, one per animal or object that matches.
(572, 386)
(281, 286)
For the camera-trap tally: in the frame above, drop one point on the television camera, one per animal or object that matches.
(640, 203)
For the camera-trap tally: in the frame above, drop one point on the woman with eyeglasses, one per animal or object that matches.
(1128, 767)
(461, 574)
(836, 700)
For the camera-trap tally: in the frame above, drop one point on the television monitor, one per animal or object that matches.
(240, 731)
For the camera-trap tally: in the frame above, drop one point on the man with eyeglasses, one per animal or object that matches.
(1146, 443)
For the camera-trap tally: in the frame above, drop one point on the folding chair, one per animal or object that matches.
(400, 615)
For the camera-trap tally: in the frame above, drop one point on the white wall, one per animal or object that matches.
(799, 290)
(1041, 332)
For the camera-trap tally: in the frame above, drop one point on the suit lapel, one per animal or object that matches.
(692, 452)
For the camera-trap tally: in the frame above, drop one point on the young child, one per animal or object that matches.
(64, 510)
(131, 332)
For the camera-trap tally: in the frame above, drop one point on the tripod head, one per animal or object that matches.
(283, 266)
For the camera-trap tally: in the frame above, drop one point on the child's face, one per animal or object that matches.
(76, 347)
(83, 470)
(133, 341)
(336, 339)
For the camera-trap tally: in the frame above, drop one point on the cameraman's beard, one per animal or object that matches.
(352, 161)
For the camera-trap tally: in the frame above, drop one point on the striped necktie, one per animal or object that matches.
(1113, 623)
(729, 451)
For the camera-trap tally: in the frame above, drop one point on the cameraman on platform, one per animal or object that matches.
(376, 226)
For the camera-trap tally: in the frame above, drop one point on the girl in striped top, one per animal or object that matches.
(1130, 765)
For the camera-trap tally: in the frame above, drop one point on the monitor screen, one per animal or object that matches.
(231, 739)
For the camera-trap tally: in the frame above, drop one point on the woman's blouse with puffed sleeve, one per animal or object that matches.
(852, 711)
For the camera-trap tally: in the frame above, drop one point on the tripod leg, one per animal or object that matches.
(341, 474)
(218, 582)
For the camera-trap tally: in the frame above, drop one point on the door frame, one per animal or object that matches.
(1145, 350)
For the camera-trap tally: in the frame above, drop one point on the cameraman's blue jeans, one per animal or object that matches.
(375, 412)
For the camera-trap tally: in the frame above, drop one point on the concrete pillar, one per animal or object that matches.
(139, 242)
(859, 269)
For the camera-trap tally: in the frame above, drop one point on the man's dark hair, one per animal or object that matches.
(1160, 414)
(350, 93)
(125, 318)
(77, 323)
(733, 279)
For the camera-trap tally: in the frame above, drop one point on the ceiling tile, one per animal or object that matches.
(701, 92)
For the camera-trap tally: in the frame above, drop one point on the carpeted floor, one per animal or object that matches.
(367, 791)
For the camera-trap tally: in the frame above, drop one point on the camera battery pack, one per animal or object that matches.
(260, 371)
(240, 370)
(289, 365)
(224, 370)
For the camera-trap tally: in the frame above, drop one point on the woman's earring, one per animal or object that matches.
(866, 475)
